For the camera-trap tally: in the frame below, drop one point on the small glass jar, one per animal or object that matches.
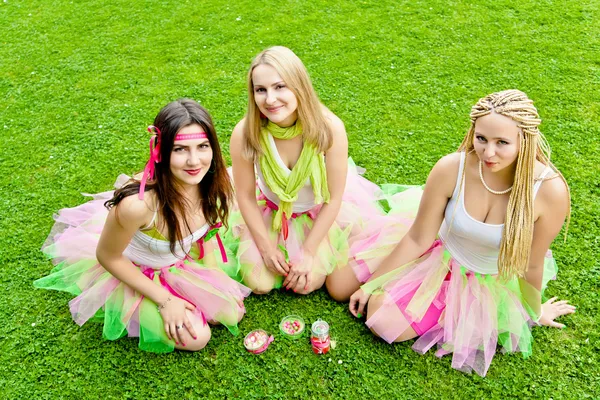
(257, 341)
(319, 338)
(292, 326)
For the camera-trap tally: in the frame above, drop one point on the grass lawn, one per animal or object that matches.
(80, 80)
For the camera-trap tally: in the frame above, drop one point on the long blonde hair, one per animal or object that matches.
(517, 235)
(315, 129)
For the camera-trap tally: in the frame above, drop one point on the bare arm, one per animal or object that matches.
(337, 170)
(245, 190)
(116, 235)
(552, 203)
(438, 190)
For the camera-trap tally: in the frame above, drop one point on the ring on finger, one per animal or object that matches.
(178, 326)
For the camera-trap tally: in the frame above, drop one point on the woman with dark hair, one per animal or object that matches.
(146, 260)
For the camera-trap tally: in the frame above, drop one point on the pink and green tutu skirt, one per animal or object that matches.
(101, 297)
(360, 217)
(371, 246)
(459, 312)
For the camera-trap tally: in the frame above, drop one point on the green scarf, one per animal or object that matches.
(310, 164)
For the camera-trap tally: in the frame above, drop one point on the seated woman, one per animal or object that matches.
(302, 206)
(131, 267)
(470, 273)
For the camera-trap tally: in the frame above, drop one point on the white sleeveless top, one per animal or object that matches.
(472, 243)
(306, 197)
(155, 253)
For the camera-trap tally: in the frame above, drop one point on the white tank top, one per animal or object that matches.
(155, 253)
(472, 243)
(306, 197)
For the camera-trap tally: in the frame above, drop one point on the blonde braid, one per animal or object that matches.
(517, 235)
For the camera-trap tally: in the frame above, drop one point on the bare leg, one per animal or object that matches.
(394, 316)
(202, 332)
(342, 283)
(255, 273)
(229, 321)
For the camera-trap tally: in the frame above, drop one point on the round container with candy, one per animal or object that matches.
(292, 326)
(257, 341)
(320, 337)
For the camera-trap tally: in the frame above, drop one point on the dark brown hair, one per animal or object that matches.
(215, 188)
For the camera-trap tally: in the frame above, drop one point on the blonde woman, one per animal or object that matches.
(300, 203)
(469, 274)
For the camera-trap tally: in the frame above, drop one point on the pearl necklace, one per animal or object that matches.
(486, 186)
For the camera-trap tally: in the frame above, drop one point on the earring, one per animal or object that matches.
(214, 168)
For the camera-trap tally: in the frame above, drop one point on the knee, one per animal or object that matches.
(262, 288)
(341, 284)
(375, 302)
(262, 284)
(234, 317)
(373, 305)
(337, 290)
(230, 318)
(392, 318)
(373, 330)
(408, 334)
(202, 337)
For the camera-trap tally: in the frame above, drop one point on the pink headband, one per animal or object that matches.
(155, 153)
(191, 136)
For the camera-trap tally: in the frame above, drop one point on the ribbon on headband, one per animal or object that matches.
(154, 158)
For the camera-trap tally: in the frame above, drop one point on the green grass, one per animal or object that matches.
(80, 81)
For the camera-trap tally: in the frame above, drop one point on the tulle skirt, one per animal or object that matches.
(371, 246)
(357, 225)
(460, 312)
(101, 297)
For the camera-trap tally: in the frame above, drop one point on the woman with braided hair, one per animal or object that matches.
(301, 204)
(470, 273)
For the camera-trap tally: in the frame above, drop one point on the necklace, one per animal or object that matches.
(485, 184)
